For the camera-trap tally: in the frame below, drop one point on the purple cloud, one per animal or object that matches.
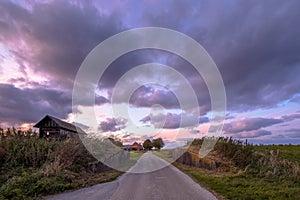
(170, 120)
(249, 124)
(112, 125)
(28, 105)
(56, 36)
(254, 44)
(203, 120)
(293, 133)
(19, 106)
(146, 96)
(291, 117)
(253, 134)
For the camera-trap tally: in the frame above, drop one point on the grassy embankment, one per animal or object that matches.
(31, 168)
(244, 171)
(135, 155)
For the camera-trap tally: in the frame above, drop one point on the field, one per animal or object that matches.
(256, 172)
(244, 186)
(288, 152)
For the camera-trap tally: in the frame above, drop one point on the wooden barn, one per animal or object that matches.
(136, 146)
(52, 127)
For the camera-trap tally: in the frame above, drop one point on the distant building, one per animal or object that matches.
(136, 146)
(51, 127)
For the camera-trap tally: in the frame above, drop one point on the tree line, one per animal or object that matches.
(156, 143)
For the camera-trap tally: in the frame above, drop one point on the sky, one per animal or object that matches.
(255, 45)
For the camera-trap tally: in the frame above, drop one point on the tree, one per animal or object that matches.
(158, 143)
(148, 144)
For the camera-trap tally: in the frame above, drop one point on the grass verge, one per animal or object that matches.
(244, 171)
(244, 186)
(135, 155)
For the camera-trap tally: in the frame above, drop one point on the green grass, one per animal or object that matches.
(244, 186)
(135, 155)
(164, 154)
(288, 152)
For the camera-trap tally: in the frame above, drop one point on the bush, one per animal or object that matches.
(244, 156)
(31, 183)
(25, 151)
(239, 152)
(31, 167)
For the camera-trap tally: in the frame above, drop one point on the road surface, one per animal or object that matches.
(163, 184)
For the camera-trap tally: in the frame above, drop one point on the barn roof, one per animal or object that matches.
(135, 144)
(60, 123)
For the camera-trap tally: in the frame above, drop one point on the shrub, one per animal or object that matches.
(244, 157)
(30, 166)
(25, 151)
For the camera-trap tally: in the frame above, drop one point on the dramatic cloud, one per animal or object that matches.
(293, 133)
(249, 124)
(55, 36)
(148, 96)
(203, 120)
(253, 134)
(268, 50)
(254, 44)
(29, 105)
(99, 100)
(60, 34)
(296, 99)
(291, 117)
(170, 120)
(112, 125)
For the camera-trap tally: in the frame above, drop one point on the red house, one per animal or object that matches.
(136, 146)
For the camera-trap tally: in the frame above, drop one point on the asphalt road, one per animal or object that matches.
(163, 184)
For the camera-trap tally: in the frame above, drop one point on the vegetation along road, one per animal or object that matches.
(165, 183)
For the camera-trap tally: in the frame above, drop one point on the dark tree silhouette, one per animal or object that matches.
(158, 143)
(148, 144)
